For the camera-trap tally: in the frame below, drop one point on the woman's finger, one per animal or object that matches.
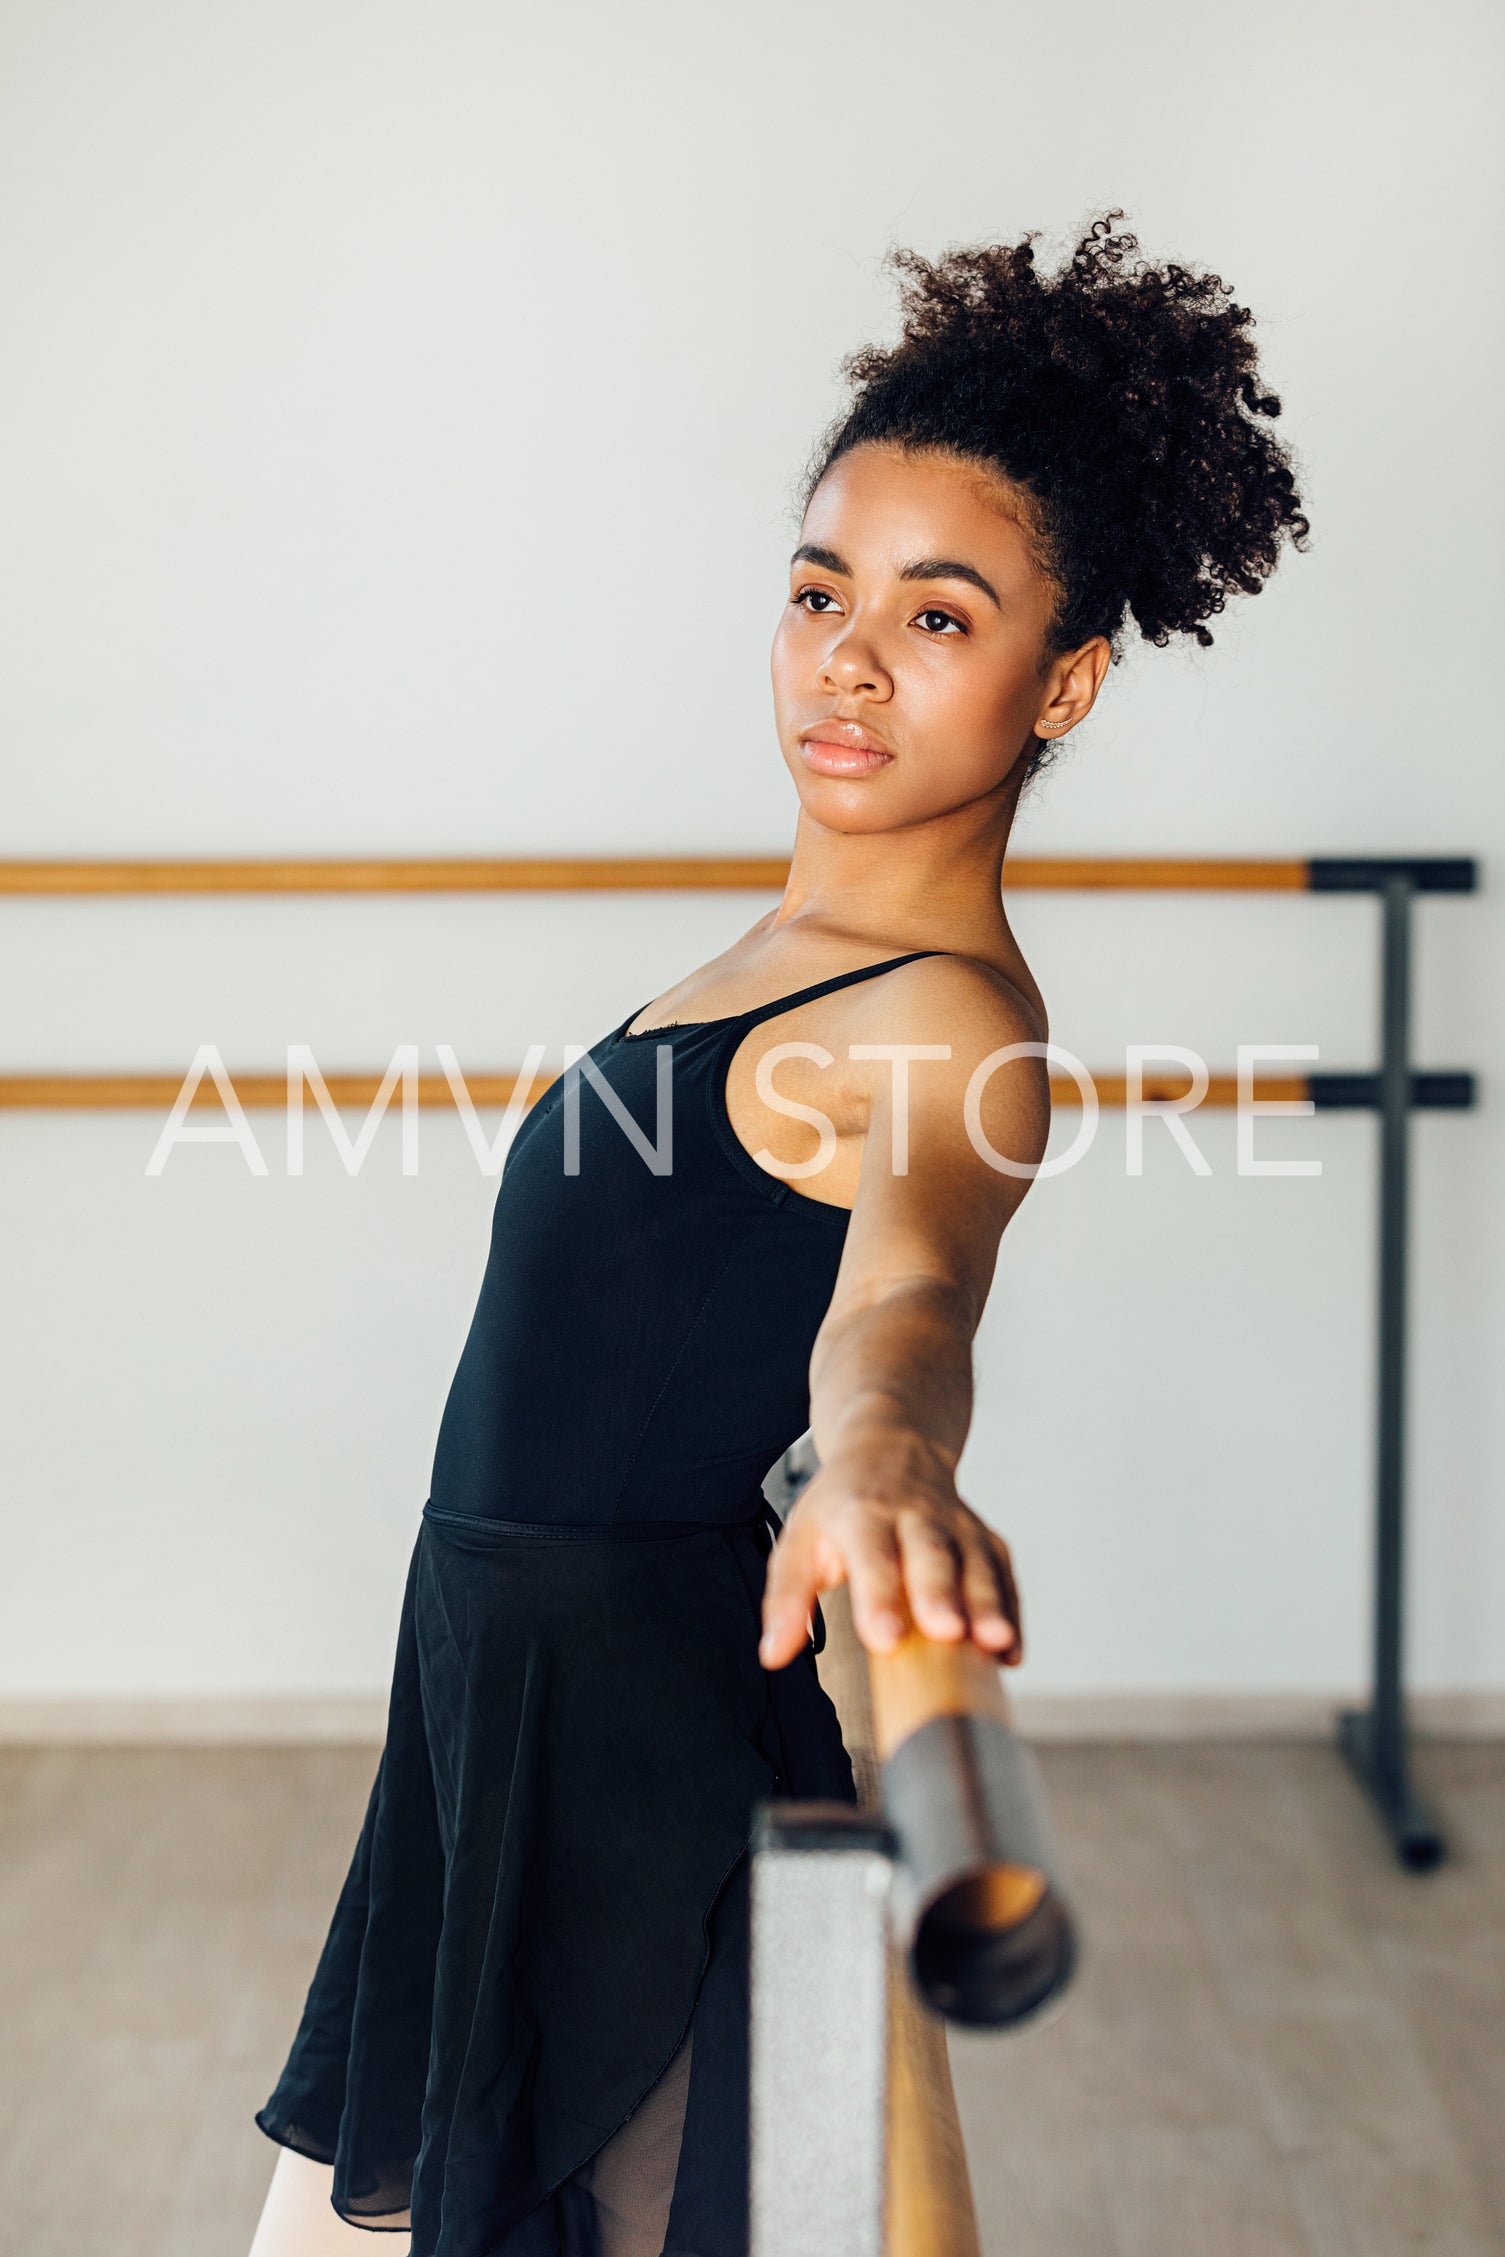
(932, 1577)
(1004, 1561)
(988, 1590)
(875, 1574)
(1010, 1587)
(788, 1595)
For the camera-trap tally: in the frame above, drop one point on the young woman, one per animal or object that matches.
(764, 1201)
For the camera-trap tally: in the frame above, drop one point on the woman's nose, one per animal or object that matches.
(852, 666)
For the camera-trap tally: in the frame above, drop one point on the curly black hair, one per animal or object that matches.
(1123, 398)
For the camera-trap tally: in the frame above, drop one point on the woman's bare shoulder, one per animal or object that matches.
(971, 1002)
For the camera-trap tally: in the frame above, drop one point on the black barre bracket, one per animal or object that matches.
(1364, 1093)
(1424, 873)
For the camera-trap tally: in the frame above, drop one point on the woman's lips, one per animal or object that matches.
(843, 750)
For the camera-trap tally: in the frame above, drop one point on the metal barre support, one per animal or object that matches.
(1376, 1740)
(820, 1885)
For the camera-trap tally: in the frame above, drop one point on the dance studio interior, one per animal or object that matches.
(403, 418)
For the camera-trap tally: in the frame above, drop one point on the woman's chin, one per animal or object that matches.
(854, 806)
(854, 814)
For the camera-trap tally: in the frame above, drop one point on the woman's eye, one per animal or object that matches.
(815, 601)
(938, 622)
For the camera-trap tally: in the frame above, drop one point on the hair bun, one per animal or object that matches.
(1123, 397)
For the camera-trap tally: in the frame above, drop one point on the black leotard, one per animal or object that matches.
(641, 1346)
(551, 1877)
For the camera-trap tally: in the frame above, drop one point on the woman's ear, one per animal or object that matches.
(1071, 686)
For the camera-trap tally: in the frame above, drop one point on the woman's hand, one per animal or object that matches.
(887, 1519)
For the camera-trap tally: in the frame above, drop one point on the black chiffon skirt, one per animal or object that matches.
(547, 1906)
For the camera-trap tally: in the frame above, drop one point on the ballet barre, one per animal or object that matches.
(940, 1893)
(758, 873)
(1374, 1739)
(264, 1092)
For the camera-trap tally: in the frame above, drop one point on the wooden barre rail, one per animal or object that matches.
(157, 1092)
(617, 873)
(761, 873)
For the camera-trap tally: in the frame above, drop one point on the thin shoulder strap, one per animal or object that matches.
(780, 1003)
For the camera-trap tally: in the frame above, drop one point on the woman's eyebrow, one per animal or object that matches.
(947, 568)
(924, 568)
(827, 559)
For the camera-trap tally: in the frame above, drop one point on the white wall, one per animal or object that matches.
(400, 411)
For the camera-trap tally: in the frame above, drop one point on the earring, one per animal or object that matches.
(1050, 727)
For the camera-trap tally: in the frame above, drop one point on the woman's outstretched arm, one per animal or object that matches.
(891, 1371)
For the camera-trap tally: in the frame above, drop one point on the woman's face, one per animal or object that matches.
(910, 668)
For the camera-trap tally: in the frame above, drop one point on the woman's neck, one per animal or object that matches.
(931, 884)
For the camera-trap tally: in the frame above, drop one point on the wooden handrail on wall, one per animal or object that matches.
(261, 1092)
(614, 873)
(569, 874)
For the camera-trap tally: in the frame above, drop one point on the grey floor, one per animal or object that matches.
(1280, 2046)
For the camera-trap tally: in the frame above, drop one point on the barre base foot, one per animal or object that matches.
(1419, 1842)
